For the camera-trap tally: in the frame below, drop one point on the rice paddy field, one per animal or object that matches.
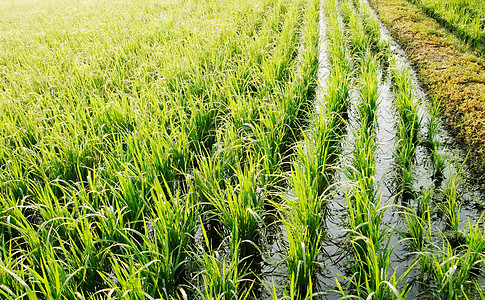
(225, 149)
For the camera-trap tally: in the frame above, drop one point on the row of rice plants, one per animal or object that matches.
(373, 274)
(103, 198)
(407, 128)
(304, 209)
(311, 173)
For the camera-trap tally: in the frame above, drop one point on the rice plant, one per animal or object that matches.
(368, 90)
(452, 206)
(222, 277)
(407, 128)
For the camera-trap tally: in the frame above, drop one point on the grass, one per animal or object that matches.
(438, 159)
(465, 18)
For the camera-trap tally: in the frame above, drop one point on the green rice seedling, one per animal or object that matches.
(173, 229)
(21, 271)
(406, 178)
(292, 294)
(358, 40)
(446, 272)
(329, 128)
(295, 294)
(363, 161)
(309, 58)
(368, 90)
(408, 123)
(126, 281)
(301, 257)
(221, 277)
(336, 43)
(16, 287)
(475, 243)
(423, 202)
(479, 288)
(338, 85)
(318, 152)
(363, 212)
(212, 176)
(371, 276)
(200, 124)
(306, 211)
(337, 96)
(240, 207)
(270, 140)
(416, 229)
(307, 206)
(407, 109)
(452, 206)
(220, 281)
(439, 164)
(29, 262)
(243, 111)
(292, 107)
(385, 52)
(131, 193)
(407, 140)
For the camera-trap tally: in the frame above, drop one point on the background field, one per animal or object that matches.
(465, 17)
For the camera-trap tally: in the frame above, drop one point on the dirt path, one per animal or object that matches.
(453, 75)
